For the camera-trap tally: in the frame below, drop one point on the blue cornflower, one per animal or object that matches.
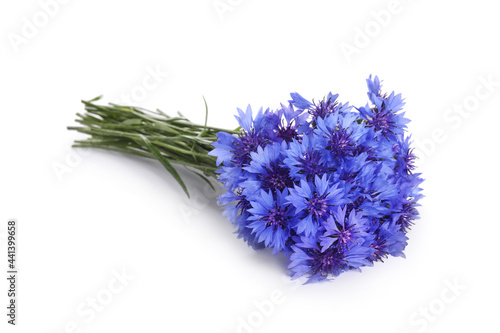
(327, 106)
(254, 133)
(304, 160)
(236, 208)
(405, 158)
(343, 231)
(339, 134)
(389, 240)
(405, 206)
(272, 217)
(288, 123)
(405, 217)
(266, 170)
(383, 116)
(224, 147)
(248, 140)
(308, 258)
(314, 202)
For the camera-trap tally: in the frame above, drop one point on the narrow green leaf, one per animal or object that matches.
(165, 163)
(132, 121)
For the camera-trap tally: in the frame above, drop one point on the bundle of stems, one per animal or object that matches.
(152, 134)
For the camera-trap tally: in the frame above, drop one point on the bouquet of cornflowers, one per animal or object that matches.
(330, 185)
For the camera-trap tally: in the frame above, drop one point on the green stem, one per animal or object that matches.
(151, 134)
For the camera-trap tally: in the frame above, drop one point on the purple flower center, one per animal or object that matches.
(324, 108)
(381, 121)
(287, 133)
(344, 236)
(246, 144)
(310, 164)
(277, 218)
(318, 207)
(276, 178)
(331, 261)
(340, 143)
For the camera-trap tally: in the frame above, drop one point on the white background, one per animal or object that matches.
(108, 213)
